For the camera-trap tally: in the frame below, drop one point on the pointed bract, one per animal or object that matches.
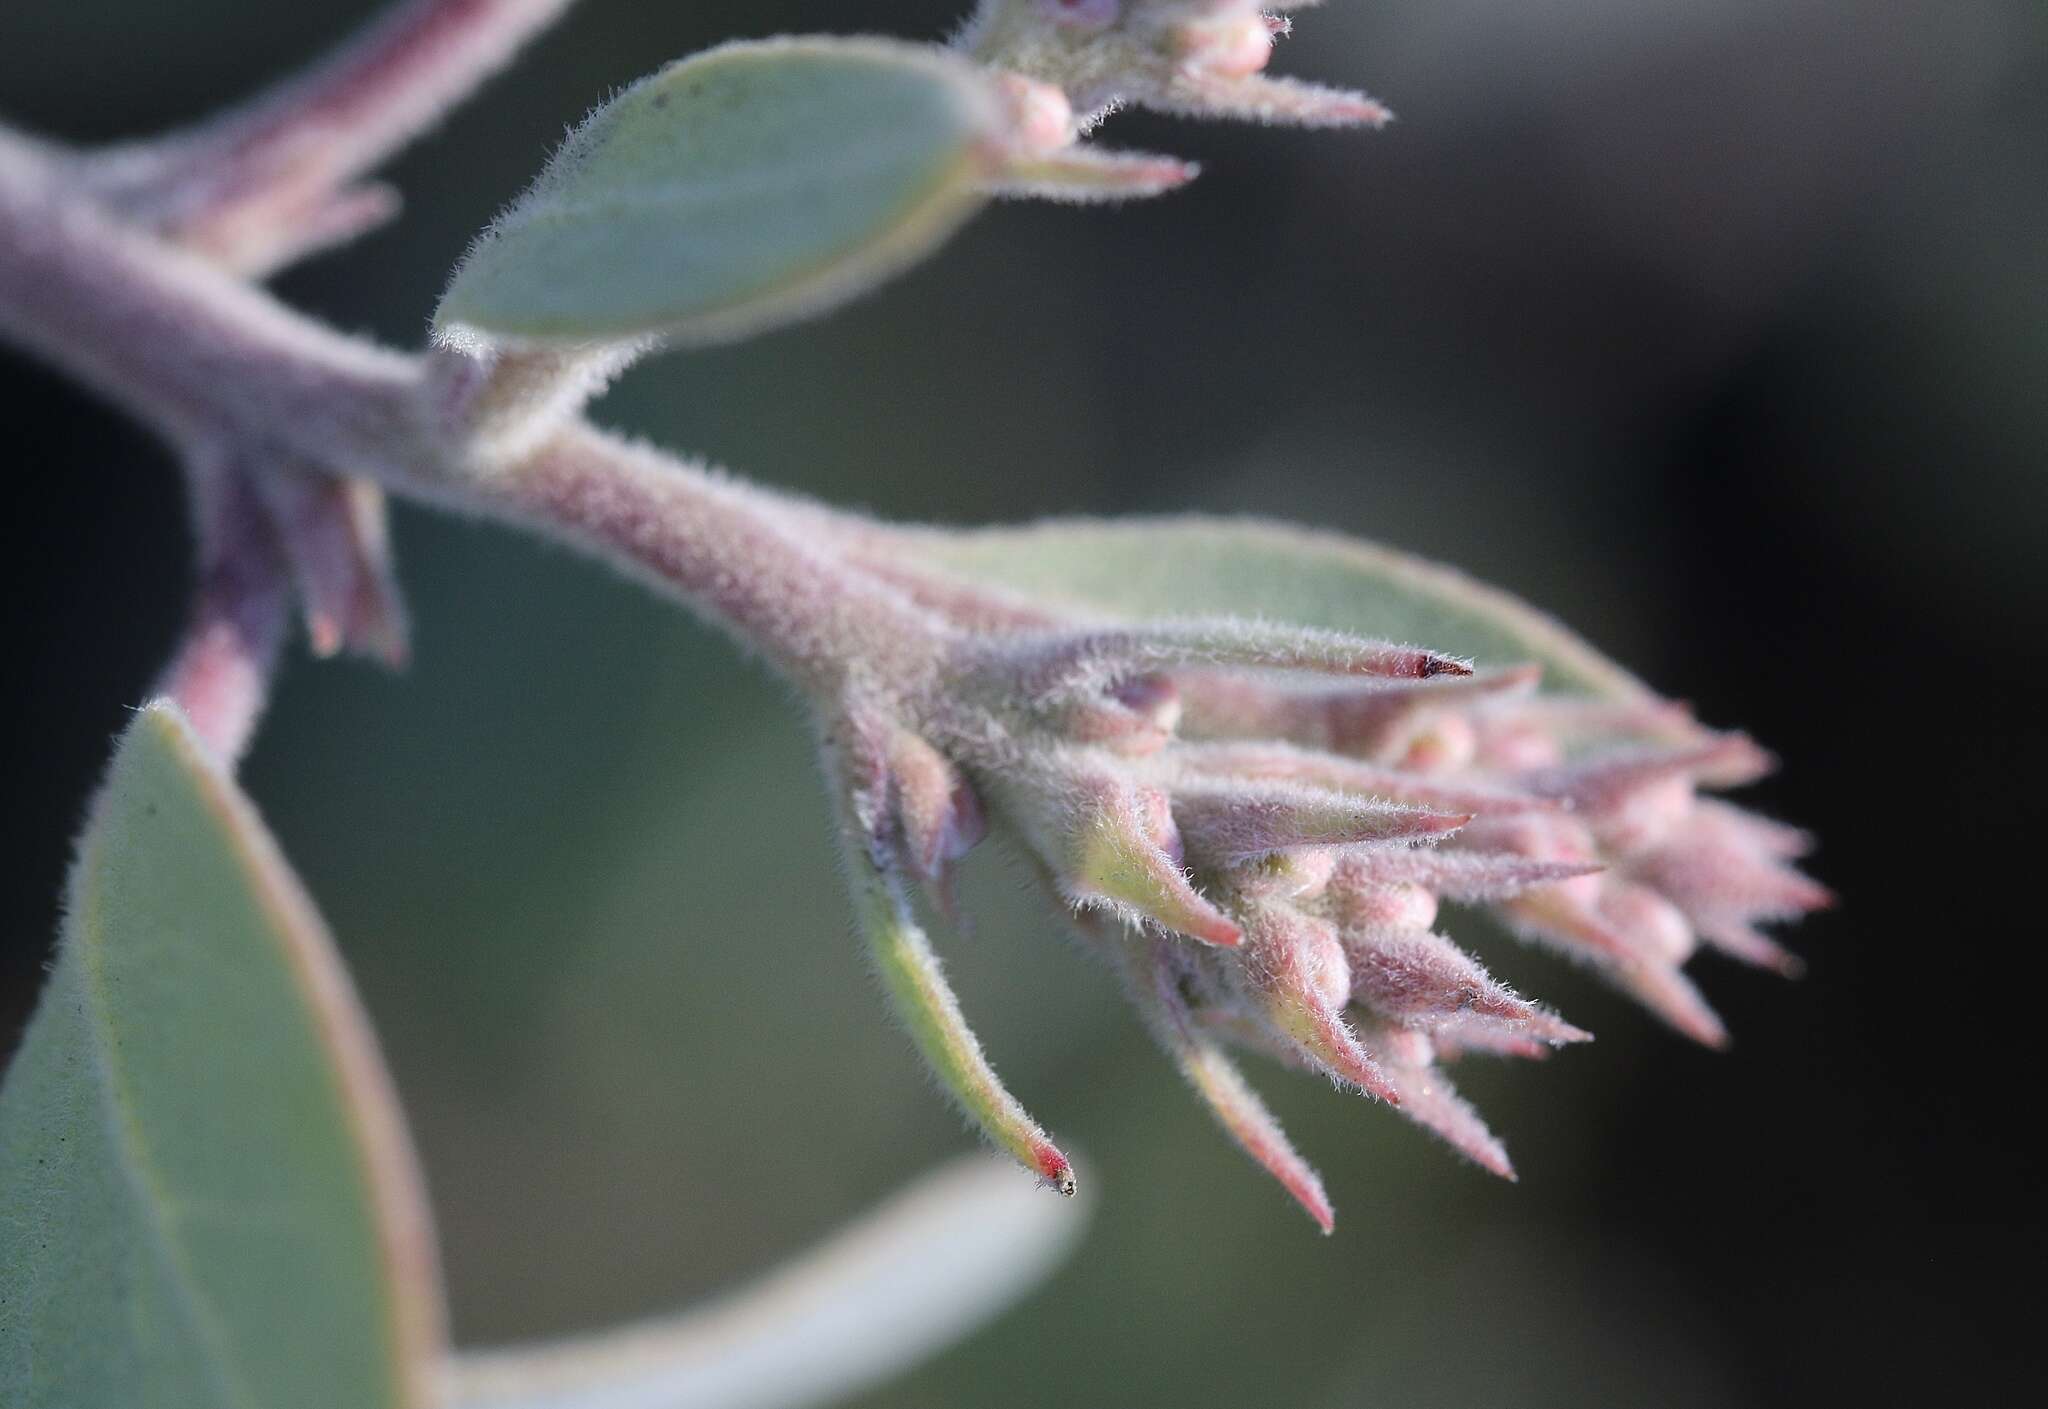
(1376, 721)
(1607, 780)
(937, 811)
(1286, 101)
(1640, 966)
(922, 998)
(1750, 945)
(1225, 823)
(1188, 775)
(1454, 1043)
(1117, 857)
(1326, 770)
(1471, 876)
(1429, 1099)
(1216, 1079)
(1088, 175)
(1295, 975)
(334, 533)
(1074, 665)
(1421, 979)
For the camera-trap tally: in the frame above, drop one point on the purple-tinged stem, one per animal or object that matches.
(201, 356)
(220, 675)
(213, 362)
(270, 180)
(719, 546)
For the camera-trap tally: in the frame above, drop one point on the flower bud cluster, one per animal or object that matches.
(1257, 827)
(1202, 58)
(1062, 66)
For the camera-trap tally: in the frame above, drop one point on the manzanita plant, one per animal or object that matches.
(1247, 762)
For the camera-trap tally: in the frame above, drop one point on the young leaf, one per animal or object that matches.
(206, 1195)
(1202, 567)
(752, 185)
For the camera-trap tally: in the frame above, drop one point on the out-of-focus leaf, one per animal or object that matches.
(751, 185)
(206, 1194)
(930, 1265)
(1206, 567)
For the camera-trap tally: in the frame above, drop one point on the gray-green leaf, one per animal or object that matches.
(1195, 566)
(206, 1195)
(752, 185)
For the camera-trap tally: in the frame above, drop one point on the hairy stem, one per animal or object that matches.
(220, 674)
(201, 356)
(263, 183)
(215, 364)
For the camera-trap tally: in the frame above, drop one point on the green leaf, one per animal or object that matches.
(206, 1195)
(752, 185)
(1207, 567)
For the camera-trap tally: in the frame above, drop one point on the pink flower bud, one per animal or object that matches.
(1387, 907)
(937, 809)
(1041, 118)
(1652, 923)
(1515, 746)
(1405, 1047)
(1235, 46)
(1445, 744)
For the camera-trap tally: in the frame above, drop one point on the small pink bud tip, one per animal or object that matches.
(1391, 906)
(1236, 47)
(1554, 1031)
(1052, 1167)
(1433, 664)
(1788, 965)
(1161, 173)
(937, 808)
(1366, 113)
(1652, 925)
(1671, 996)
(1446, 743)
(393, 648)
(325, 634)
(1453, 1043)
(1308, 1192)
(1041, 118)
(1217, 930)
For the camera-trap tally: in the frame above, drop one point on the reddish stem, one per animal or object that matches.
(220, 675)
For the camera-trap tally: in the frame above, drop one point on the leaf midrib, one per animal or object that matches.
(138, 1173)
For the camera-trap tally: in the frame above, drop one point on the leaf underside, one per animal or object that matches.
(206, 1198)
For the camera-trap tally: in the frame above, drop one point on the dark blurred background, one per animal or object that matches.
(1720, 327)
